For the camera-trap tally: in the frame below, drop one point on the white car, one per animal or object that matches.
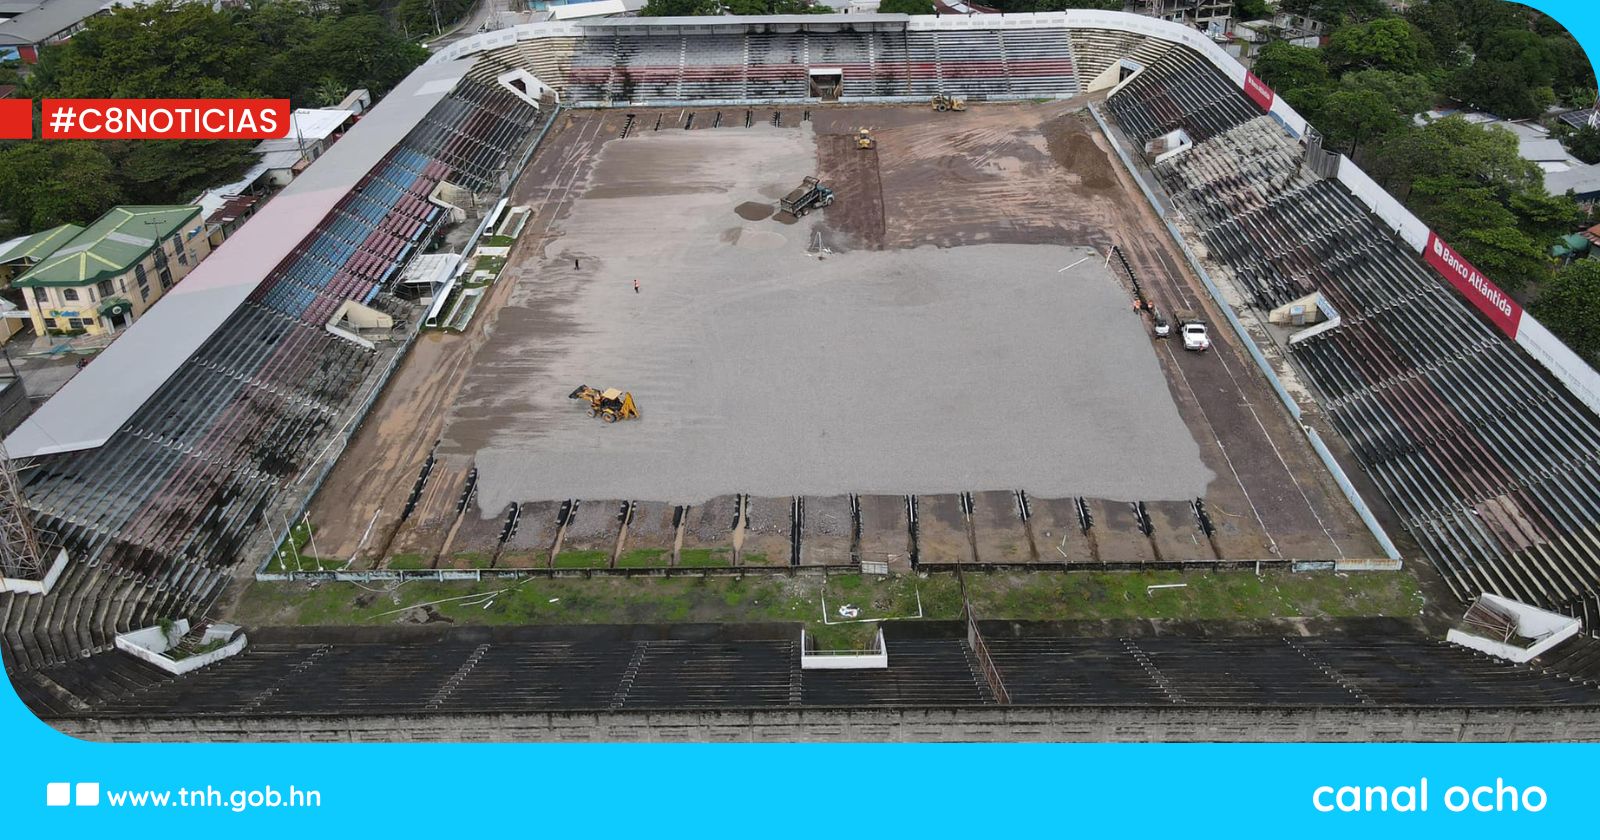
(1195, 336)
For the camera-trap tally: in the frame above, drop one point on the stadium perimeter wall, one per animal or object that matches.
(966, 723)
(1566, 366)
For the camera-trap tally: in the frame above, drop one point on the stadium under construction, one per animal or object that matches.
(356, 412)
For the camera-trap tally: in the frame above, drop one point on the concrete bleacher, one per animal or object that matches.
(922, 672)
(1179, 90)
(1491, 464)
(765, 66)
(469, 670)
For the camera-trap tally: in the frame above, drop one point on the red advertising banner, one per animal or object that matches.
(16, 119)
(165, 119)
(1478, 289)
(1258, 91)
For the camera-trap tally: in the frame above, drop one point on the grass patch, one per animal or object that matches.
(498, 241)
(405, 562)
(640, 558)
(699, 558)
(475, 559)
(600, 600)
(291, 555)
(489, 264)
(1207, 595)
(842, 636)
(1040, 596)
(583, 559)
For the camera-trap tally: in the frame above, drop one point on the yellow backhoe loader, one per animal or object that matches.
(946, 102)
(609, 405)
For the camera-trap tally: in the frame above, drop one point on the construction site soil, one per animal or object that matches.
(949, 325)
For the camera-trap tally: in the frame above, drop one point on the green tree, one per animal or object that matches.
(906, 7)
(1386, 44)
(1440, 23)
(680, 8)
(1513, 76)
(1248, 10)
(1284, 66)
(1569, 305)
(166, 49)
(1371, 104)
(1584, 143)
(1506, 254)
(357, 52)
(46, 184)
(1453, 147)
(170, 171)
(1545, 216)
(1352, 115)
(1335, 12)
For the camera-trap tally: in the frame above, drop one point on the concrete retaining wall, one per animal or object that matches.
(1122, 724)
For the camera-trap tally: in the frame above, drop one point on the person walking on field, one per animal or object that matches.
(635, 285)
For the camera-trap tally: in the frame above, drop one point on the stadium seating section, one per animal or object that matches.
(454, 675)
(1489, 461)
(767, 66)
(156, 518)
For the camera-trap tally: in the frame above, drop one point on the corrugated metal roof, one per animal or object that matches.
(54, 16)
(110, 246)
(1583, 180)
(40, 245)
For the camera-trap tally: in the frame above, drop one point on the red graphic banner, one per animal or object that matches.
(1478, 289)
(165, 119)
(16, 119)
(1258, 91)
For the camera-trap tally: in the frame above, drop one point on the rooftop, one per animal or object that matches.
(39, 245)
(110, 246)
(597, 8)
(1583, 180)
(38, 25)
(308, 125)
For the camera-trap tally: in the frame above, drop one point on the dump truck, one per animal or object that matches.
(946, 102)
(865, 141)
(609, 405)
(811, 193)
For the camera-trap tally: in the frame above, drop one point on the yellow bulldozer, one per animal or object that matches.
(609, 405)
(946, 102)
(865, 140)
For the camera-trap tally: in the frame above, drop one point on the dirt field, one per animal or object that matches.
(934, 347)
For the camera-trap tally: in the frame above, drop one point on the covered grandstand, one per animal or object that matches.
(1484, 442)
(166, 462)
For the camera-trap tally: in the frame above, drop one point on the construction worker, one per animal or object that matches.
(635, 285)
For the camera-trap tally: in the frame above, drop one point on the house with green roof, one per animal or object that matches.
(26, 253)
(103, 277)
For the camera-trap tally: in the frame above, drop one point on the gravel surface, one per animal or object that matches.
(761, 369)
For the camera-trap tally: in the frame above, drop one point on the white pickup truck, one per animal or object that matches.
(1195, 336)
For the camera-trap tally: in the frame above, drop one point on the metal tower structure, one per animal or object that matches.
(20, 555)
